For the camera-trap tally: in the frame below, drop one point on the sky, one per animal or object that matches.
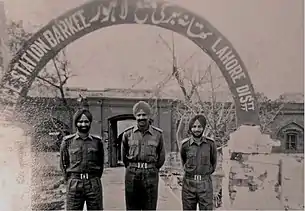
(267, 34)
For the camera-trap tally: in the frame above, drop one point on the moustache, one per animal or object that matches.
(84, 128)
(197, 133)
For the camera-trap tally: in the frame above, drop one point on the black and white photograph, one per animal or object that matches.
(151, 105)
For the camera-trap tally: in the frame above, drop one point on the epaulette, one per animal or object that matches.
(68, 137)
(157, 129)
(184, 141)
(130, 127)
(96, 136)
(209, 139)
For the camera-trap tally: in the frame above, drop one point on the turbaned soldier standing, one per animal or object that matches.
(199, 157)
(82, 162)
(143, 156)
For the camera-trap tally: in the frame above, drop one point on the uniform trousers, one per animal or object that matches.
(197, 192)
(141, 188)
(81, 190)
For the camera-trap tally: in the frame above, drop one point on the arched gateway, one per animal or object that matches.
(96, 14)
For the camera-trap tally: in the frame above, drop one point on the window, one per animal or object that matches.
(291, 141)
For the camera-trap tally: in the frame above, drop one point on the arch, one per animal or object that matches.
(291, 136)
(290, 126)
(115, 138)
(96, 14)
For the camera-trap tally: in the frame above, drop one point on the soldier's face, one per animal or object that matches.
(83, 124)
(197, 129)
(142, 118)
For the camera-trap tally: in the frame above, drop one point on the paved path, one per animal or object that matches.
(114, 195)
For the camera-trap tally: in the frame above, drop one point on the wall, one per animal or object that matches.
(105, 108)
(293, 112)
(165, 116)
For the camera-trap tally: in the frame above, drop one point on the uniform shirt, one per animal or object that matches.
(147, 147)
(199, 158)
(79, 155)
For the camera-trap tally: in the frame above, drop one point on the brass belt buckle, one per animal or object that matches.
(142, 165)
(197, 177)
(84, 176)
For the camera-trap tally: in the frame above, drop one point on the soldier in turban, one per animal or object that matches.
(198, 156)
(82, 163)
(143, 156)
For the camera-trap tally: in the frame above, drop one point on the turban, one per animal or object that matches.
(141, 105)
(79, 113)
(202, 120)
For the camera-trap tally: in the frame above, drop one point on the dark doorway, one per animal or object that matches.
(117, 125)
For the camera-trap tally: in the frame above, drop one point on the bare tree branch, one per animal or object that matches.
(165, 43)
(47, 77)
(48, 82)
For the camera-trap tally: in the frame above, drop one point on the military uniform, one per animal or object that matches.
(199, 162)
(143, 156)
(82, 162)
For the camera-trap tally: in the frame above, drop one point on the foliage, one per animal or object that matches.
(220, 113)
(268, 111)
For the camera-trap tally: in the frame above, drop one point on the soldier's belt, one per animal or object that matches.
(197, 177)
(142, 165)
(83, 175)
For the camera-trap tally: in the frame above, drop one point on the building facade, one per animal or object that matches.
(110, 113)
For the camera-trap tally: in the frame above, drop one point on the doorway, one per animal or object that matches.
(117, 126)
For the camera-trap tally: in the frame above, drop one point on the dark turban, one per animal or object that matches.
(202, 120)
(79, 113)
(141, 105)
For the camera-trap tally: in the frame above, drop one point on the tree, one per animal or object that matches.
(268, 111)
(220, 113)
(52, 79)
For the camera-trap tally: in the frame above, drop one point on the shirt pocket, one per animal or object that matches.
(205, 156)
(92, 154)
(152, 148)
(133, 148)
(205, 160)
(75, 155)
(190, 161)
